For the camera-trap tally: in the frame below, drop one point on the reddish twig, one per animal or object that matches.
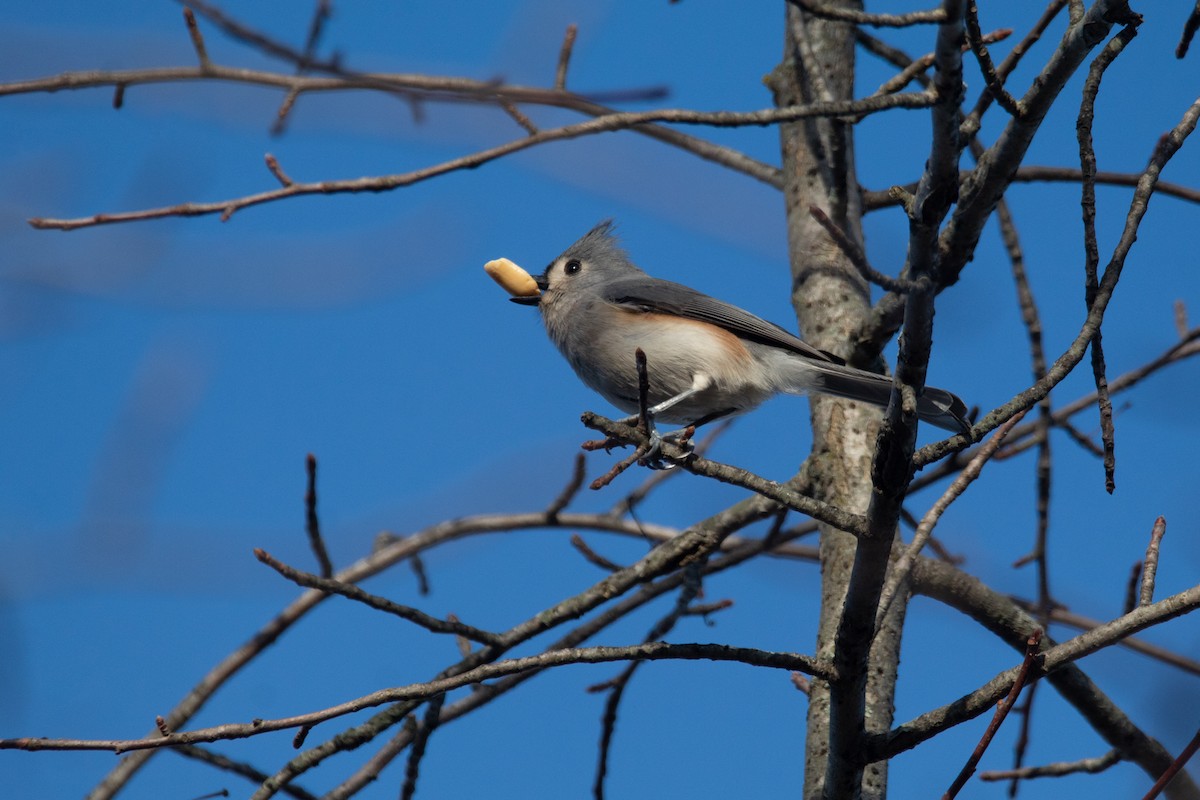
(1002, 709)
(1172, 770)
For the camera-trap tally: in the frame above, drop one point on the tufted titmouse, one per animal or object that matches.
(706, 359)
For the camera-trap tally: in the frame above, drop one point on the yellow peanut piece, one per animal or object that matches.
(512, 278)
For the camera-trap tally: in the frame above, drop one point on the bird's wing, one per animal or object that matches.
(647, 294)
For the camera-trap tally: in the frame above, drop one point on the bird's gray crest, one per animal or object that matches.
(600, 244)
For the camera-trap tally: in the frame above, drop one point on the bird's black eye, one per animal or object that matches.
(573, 266)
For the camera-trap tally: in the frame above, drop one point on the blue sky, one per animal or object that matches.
(164, 381)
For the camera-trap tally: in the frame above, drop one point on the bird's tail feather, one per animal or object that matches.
(935, 406)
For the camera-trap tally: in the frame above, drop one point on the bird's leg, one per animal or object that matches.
(653, 457)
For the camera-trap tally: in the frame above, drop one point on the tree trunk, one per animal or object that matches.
(831, 300)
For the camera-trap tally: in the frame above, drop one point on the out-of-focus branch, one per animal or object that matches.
(609, 122)
(352, 592)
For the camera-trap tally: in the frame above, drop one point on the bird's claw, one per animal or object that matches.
(653, 457)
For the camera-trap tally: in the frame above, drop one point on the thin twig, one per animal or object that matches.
(1002, 709)
(417, 565)
(241, 768)
(1087, 163)
(564, 57)
(928, 522)
(1080, 438)
(352, 592)
(629, 502)
(429, 724)
(311, 522)
(1010, 62)
(277, 171)
(570, 490)
(519, 117)
(197, 39)
(1150, 565)
(1189, 31)
(592, 556)
(1131, 587)
(616, 686)
(1059, 769)
(857, 257)
(1078, 621)
(995, 84)
(1173, 770)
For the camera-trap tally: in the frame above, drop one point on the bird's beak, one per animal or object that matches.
(533, 299)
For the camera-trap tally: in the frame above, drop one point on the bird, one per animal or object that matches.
(706, 358)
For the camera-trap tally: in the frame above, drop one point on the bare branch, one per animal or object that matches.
(197, 39)
(564, 56)
(1189, 31)
(312, 522)
(933, 16)
(855, 254)
(738, 477)
(570, 490)
(652, 651)
(606, 123)
(1056, 770)
(352, 592)
(995, 83)
(241, 768)
(1150, 565)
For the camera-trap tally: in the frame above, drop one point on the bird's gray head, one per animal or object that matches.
(582, 269)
